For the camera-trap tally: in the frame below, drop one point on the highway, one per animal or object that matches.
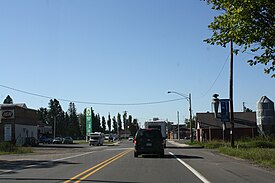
(116, 163)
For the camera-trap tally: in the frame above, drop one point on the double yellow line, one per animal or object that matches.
(87, 173)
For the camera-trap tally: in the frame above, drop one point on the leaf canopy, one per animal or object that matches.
(250, 24)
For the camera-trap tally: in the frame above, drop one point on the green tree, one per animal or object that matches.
(96, 123)
(125, 120)
(73, 123)
(103, 122)
(119, 123)
(134, 127)
(8, 100)
(42, 115)
(82, 124)
(114, 125)
(246, 109)
(55, 112)
(109, 122)
(250, 25)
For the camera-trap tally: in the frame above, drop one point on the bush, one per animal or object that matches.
(8, 148)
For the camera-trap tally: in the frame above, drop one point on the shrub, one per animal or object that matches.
(8, 148)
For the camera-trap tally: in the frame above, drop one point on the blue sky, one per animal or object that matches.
(120, 52)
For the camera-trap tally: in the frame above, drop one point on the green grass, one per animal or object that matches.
(8, 148)
(258, 150)
(263, 156)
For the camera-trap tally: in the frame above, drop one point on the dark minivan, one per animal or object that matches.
(148, 141)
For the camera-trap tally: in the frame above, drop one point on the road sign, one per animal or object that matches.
(88, 121)
(225, 117)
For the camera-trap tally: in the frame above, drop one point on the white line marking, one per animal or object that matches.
(73, 156)
(195, 172)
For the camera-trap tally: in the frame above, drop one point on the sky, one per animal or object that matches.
(105, 54)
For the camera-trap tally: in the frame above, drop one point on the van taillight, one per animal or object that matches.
(135, 141)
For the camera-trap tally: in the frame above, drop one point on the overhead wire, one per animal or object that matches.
(216, 77)
(220, 73)
(91, 103)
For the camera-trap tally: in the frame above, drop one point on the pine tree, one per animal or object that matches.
(8, 100)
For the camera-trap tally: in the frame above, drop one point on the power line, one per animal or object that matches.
(217, 76)
(91, 103)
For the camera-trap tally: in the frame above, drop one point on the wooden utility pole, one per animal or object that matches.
(190, 110)
(231, 95)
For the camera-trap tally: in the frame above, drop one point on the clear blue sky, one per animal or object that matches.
(120, 51)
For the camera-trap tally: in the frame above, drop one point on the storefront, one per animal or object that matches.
(17, 122)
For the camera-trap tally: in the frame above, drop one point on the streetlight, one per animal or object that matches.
(188, 98)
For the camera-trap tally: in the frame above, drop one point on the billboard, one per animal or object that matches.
(88, 121)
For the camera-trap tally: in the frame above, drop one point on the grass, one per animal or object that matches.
(8, 148)
(258, 150)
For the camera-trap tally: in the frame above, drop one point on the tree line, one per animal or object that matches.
(70, 123)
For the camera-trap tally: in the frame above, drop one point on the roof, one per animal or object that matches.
(23, 105)
(265, 99)
(241, 120)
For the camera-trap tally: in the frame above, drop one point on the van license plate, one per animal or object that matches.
(148, 144)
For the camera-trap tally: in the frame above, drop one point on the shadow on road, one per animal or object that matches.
(59, 180)
(10, 167)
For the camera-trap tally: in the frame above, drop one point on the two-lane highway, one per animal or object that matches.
(82, 163)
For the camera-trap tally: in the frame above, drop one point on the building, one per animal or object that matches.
(211, 128)
(266, 116)
(181, 130)
(17, 122)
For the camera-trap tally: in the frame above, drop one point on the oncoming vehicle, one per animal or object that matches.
(96, 138)
(148, 141)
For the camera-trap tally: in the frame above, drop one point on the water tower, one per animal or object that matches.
(265, 116)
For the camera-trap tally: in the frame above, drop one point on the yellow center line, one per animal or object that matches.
(96, 167)
(99, 168)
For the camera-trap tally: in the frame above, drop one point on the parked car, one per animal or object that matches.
(68, 140)
(31, 141)
(45, 140)
(148, 141)
(58, 140)
(131, 138)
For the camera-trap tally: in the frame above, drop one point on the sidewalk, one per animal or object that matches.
(178, 143)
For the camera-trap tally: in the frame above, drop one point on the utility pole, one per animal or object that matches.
(178, 126)
(190, 109)
(231, 95)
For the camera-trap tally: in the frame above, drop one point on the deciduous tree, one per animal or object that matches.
(250, 24)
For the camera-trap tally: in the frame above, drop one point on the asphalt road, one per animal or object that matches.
(82, 163)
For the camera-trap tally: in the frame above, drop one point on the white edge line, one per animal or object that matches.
(72, 156)
(195, 172)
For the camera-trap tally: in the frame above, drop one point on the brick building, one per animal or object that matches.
(17, 122)
(211, 128)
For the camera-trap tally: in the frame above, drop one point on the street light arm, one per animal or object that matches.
(182, 95)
